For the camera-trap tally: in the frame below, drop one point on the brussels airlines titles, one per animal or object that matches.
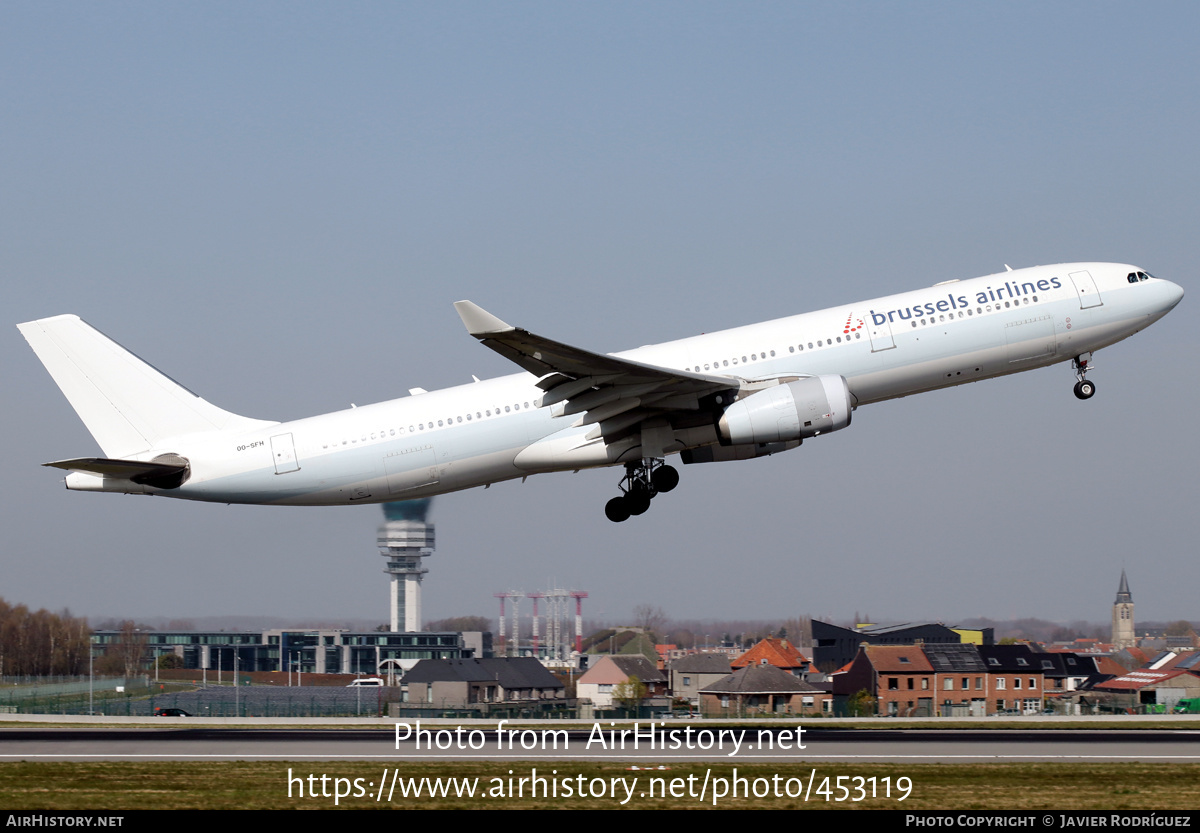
(952, 302)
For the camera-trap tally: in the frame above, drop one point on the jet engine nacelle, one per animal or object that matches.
(791, 411)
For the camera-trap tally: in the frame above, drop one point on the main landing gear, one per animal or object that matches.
(1083, 388)
(643, 480)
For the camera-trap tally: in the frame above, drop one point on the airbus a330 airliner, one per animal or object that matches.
(731, 395)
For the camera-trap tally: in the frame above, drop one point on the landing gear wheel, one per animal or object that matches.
(616, 510)
(664, 479)
(637, 501)
(1083, 388)
(643, 480)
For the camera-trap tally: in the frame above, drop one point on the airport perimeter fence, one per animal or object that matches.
(25, 682)
(145, 697)
(262, 701)
(64, 695)
(142, 697)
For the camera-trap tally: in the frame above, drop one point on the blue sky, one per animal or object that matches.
(277, 204)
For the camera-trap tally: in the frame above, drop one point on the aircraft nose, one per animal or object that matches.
(1174, 293)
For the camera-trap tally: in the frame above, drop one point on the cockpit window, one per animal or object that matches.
(1134, 277)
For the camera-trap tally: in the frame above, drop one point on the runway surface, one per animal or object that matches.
(654, 743)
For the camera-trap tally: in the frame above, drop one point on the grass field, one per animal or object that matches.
(255, 785)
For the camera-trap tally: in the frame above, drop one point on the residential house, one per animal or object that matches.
(600, 681)
(763, 689)
(689, 674)
(1015, 678)
(960, 679)
(899, 677)
(460, 682)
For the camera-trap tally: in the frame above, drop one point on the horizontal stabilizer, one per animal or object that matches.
(163, 475)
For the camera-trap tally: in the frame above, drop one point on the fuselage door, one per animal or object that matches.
(880, 334)
(1085, 286)
(283, 450)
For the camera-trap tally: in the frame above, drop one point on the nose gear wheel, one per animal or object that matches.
(1083, 388)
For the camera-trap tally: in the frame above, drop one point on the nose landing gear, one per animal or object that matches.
(643, 480)
(1083, 388)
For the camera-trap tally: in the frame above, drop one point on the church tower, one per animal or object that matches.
(1122, 617)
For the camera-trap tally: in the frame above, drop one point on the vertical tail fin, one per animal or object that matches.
(126, 404)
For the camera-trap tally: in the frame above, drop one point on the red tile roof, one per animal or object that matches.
(1137, 679)
(898, 659)
(777, 652)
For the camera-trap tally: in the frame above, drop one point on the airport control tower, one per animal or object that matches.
(404, 539)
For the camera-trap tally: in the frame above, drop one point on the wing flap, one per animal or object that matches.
(568, 387)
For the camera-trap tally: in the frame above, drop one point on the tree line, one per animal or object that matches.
(41, 643)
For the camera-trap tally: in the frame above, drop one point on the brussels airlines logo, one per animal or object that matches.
(956, 302)
(853, 325)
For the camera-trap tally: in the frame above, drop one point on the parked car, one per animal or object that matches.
(171, 713)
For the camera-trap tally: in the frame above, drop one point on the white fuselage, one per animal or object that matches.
(495, 430)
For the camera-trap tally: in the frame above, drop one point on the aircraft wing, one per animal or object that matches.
(614, 393)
